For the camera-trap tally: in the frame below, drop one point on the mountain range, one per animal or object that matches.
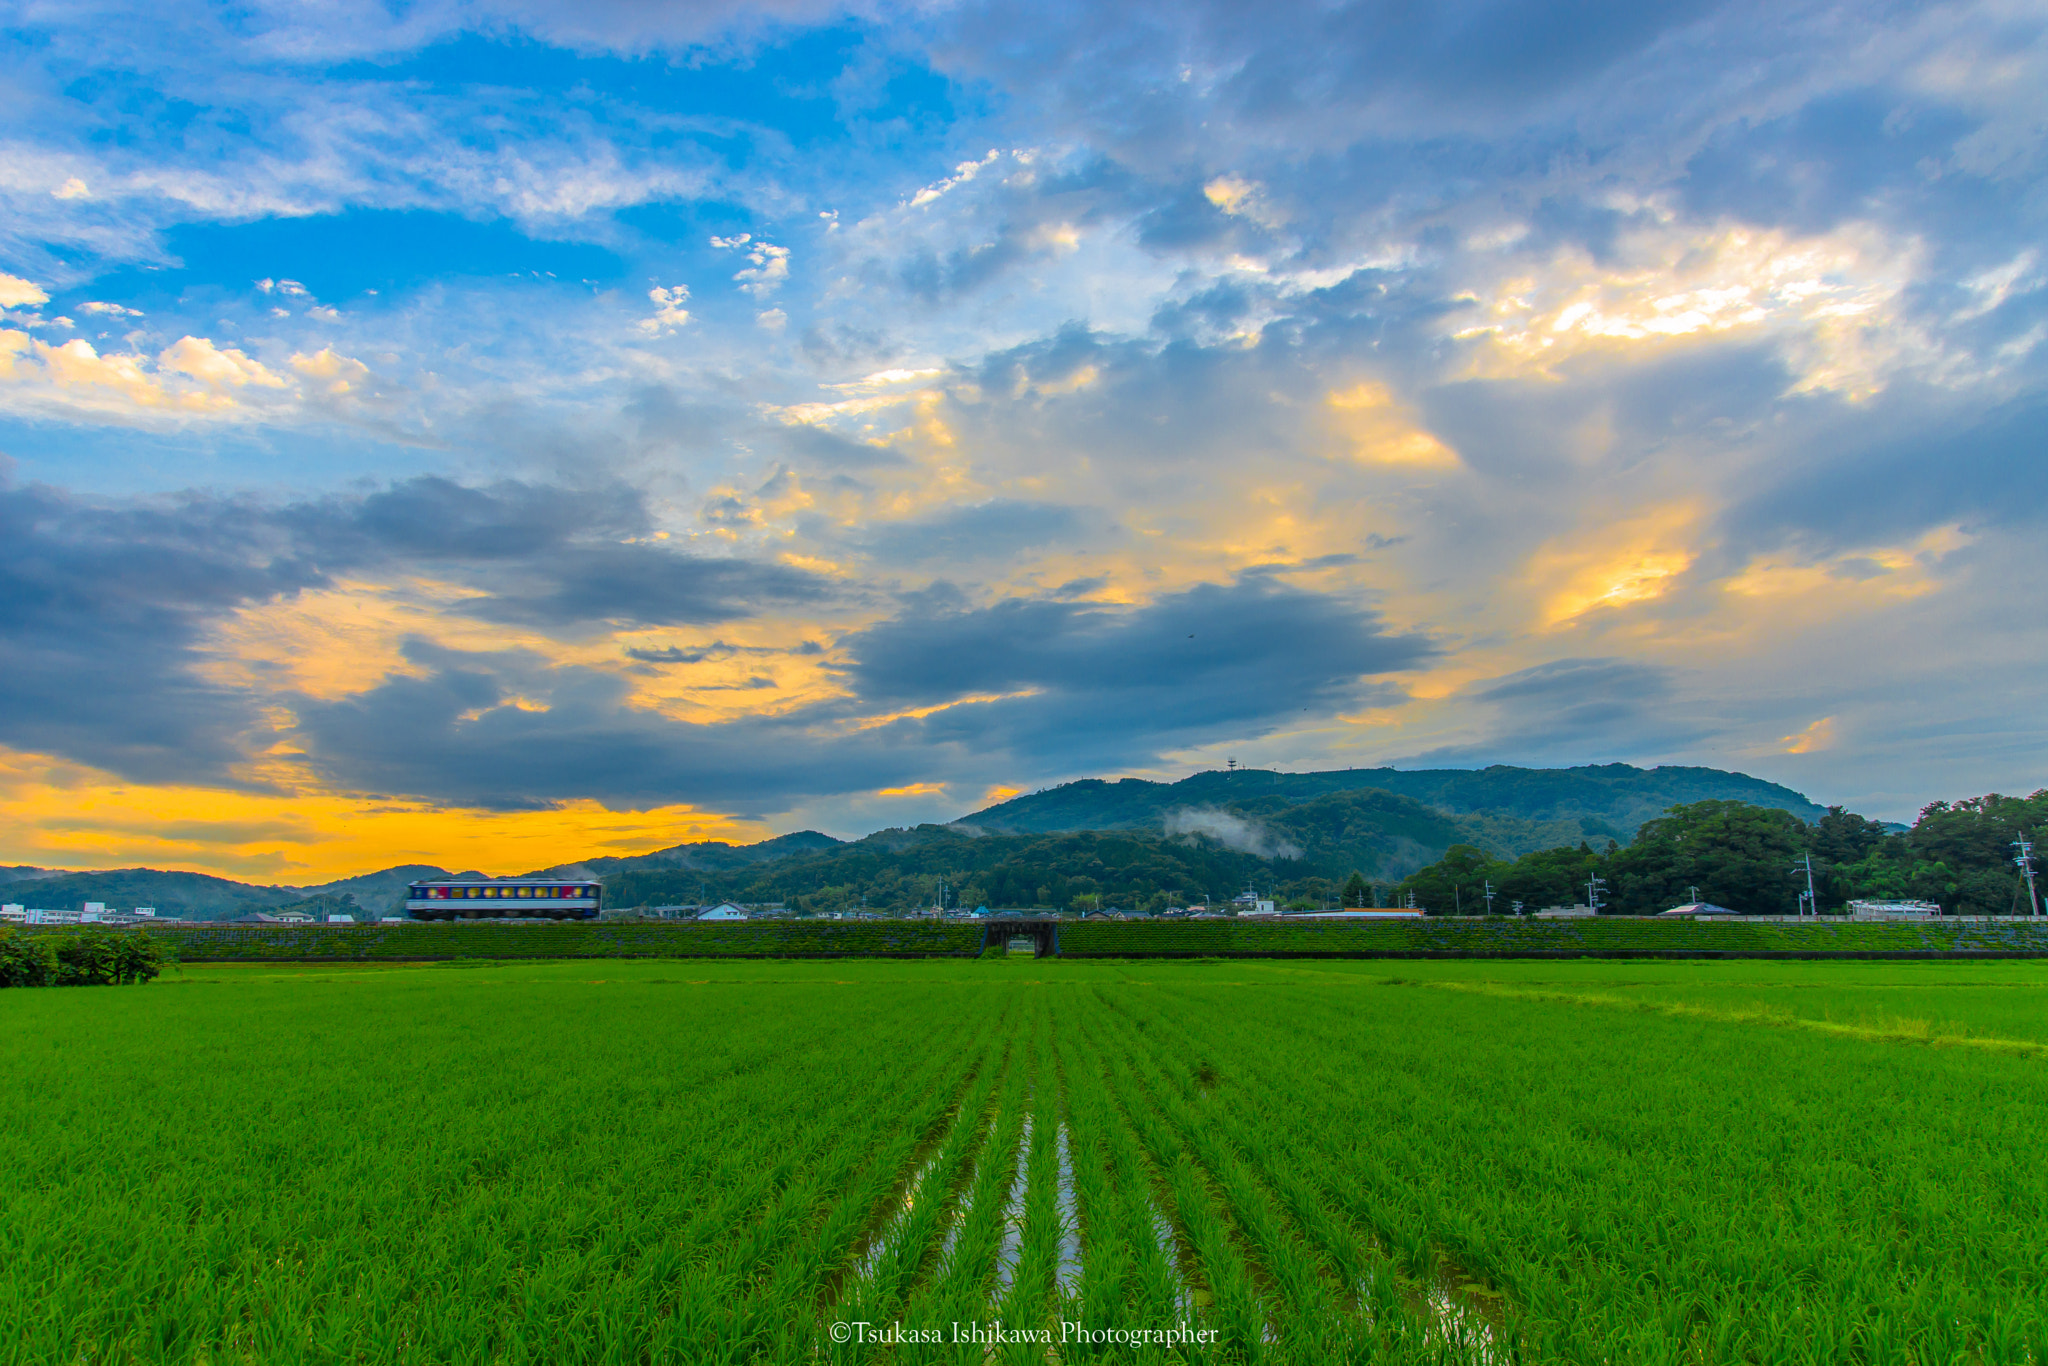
(1207, 832)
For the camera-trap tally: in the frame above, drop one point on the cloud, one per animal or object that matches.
(507, 731)
(16, 292)
(1231, 831)
(104, 612)
(669, 313)
(1045, 677)
(1000, 529)
(1579, 711)
(110, 609)
(770, 269)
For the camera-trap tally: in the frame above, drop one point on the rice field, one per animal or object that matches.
(1030, 1160)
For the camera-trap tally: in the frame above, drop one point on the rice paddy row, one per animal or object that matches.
(1017, 1161)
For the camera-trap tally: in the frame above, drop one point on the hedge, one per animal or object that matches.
(1501, 937)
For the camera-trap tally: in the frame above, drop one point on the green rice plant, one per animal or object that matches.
(607, 1161)
(961, 1286)
(1130, 1278)
(1237, 1308)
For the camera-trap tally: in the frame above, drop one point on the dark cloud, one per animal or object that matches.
(1116, 685)
(106, 609)
(1577, 711)
(625, 585)
(1896, 469)
(103, 613)
(1849, 154)
(468, 733)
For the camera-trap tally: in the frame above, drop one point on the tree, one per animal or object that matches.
(25, 959)
(96, 957)
(1456, 883)
(1844, 837)
(1356, 894)
(1737, 855)
(1551, 877)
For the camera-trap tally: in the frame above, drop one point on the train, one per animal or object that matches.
(517, 898)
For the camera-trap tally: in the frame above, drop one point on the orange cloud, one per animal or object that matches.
(58, 814)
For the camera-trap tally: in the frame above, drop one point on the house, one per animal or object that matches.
(1360, 915)
(1693, 908)
(1893, 910)
(724, 910)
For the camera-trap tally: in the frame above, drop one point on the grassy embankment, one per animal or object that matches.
(1094, 939)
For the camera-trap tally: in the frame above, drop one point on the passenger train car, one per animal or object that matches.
(523, 898)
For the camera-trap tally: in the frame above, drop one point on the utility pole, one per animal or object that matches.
(1517, 908)
(1593, 886)
(1489, 896)
(2025, 860)
(1808, 900)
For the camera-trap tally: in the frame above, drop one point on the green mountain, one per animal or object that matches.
(1194, 853)
(711, 856)
(194, 896)
(1602, 801)
(377, 890)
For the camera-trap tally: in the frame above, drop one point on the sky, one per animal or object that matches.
(491, 433)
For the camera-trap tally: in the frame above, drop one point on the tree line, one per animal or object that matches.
(1750, 859)
(87, 958)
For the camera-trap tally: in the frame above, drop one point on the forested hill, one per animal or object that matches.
(195, 895)
(709, 856)
(1299, 847)
(1599, 800)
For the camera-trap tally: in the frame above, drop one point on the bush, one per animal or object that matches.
(25, 960)
(96, 958)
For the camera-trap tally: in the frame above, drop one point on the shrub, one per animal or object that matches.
(93, 958)
(25, 960)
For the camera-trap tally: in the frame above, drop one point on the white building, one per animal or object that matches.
(13, 910)
(1893, 910)
(725, 910)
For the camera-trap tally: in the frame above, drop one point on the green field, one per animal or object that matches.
(1310, 1160)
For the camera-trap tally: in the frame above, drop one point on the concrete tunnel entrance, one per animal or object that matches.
(1043, 934)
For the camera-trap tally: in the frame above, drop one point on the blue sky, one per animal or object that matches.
(479, 433)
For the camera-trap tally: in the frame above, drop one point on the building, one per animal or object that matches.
(1563, 912)
(1402, 914)
(1693, 908)
(1893, 910)
(516, 898)
(724, 910)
